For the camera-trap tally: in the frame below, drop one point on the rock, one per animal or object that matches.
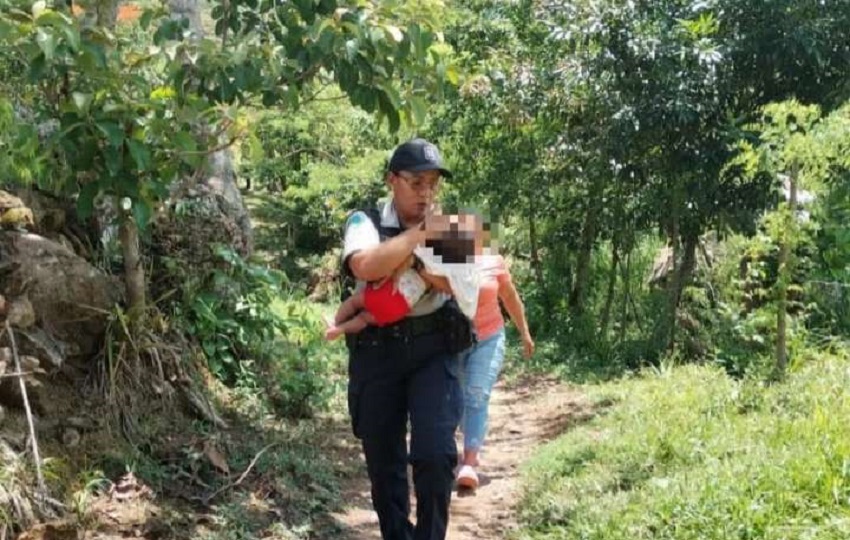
(57, 220)
(70, 437)
(20, 312)
(50, 213)
(2, 414)
(9, 201)
(36, 342)
(70, 297)
(31, 364)
(80, 423)
(10, 387)
(10, 395)
(20, 218)
(13, 212)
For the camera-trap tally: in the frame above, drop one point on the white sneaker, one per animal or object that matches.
(467, 477)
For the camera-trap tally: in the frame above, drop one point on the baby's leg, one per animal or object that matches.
(349, 308)
(351, 326)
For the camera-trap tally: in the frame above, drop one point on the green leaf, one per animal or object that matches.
(72, 35)
(256, 152)
(419, 109)
(81, 102)
(114, 162)
(392, 95)
(46, 42)
(146, 18)
(391, 113)
(142, 213)
(85, 201)
(141, 154)
(113, 132)
(395, 32)
(452, 75)
(185, 141)
(351, 48)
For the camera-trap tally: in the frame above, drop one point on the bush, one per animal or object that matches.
(253, 339)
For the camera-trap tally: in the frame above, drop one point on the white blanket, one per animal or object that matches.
(465, 278)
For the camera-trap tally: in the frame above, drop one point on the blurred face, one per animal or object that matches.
(457, 237)
(413, 193)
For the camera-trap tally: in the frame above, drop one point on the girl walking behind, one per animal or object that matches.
(483, 362)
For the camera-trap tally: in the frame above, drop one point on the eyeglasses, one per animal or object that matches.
(421, 182)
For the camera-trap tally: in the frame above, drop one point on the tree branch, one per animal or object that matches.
(40, 477)
(242, 476)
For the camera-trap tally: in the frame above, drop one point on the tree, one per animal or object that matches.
(670, 87)
(128, 110)
(799, 150)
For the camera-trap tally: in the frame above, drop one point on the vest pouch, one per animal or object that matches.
(458, 329)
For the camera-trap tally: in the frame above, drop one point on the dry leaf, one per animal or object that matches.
(216, 457)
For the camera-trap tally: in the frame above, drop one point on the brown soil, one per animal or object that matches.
(522, 417)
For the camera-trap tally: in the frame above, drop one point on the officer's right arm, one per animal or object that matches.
(367, 257)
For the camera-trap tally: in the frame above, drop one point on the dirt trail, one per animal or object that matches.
(522, 417)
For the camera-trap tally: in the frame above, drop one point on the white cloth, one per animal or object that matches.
(464, 278)
(411, 285)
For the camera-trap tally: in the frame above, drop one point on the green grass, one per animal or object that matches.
(689, 453)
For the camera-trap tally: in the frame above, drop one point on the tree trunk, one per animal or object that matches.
(609, 296)
(679, 279)
(588, 238)
(134, 272)
(664, 332)
(783, 278)
(536, 265)
(627, 286)
(102, 13)
(684, 261)
(188, 9)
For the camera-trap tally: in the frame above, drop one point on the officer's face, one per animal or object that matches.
(414, 193)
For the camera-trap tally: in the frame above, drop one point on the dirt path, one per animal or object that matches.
(522, 417)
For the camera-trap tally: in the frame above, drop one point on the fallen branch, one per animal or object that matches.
(16, 374)
(39, 476)
(242, 476)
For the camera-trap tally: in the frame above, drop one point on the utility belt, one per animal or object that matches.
(447, 322)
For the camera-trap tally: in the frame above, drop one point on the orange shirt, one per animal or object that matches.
(488, 316)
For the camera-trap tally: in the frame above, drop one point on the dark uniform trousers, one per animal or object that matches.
(397, 373)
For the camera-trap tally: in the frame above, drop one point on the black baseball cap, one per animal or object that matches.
(417, 155)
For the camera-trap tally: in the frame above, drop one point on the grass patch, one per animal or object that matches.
(689, 453)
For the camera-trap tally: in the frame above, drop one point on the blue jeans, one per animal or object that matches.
(481, 367)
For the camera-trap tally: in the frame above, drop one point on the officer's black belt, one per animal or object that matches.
(408, 327)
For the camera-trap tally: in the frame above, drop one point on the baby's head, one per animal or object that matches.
(457, 238)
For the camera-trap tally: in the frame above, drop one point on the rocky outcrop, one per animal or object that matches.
(70, 298)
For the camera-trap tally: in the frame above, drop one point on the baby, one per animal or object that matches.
(451, 246)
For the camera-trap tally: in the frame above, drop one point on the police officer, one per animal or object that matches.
(407, 371)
